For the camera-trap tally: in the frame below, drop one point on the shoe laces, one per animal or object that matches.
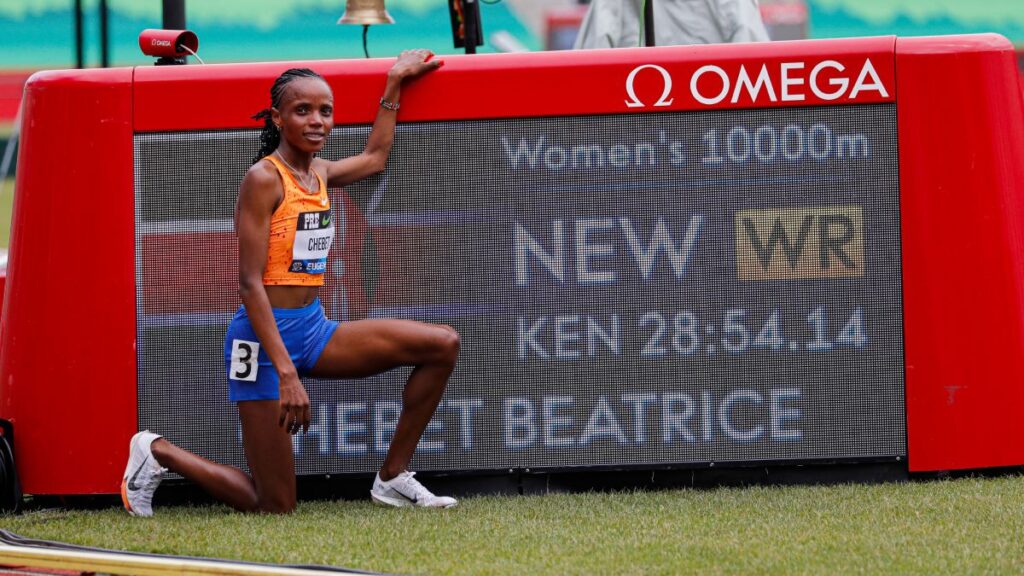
(414, 485)
(151, 477)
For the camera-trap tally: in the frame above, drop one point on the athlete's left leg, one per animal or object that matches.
(367, 347)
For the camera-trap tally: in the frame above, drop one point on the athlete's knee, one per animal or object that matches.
(276, 505)
(280, 501)
(246, 503)
(449, 342)
(277, 508)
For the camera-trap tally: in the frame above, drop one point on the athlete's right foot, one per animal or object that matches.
(404, 490)
(142, 475)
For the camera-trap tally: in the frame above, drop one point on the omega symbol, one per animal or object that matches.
(664, 100)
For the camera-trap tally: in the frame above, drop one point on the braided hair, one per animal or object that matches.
(270, 136)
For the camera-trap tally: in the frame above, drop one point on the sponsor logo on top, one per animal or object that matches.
(764, 84)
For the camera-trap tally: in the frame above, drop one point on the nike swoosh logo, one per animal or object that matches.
(413, 499)
(131, 482)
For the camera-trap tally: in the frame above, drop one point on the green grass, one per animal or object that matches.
(951, 527)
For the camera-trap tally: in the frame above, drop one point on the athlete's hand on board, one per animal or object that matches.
(413, 63)
(294, 405)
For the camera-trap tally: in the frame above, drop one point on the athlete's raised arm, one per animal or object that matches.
(374, 157)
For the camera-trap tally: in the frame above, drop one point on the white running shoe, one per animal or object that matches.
(404, 490)
(142, 475)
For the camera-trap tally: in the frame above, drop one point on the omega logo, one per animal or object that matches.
(775, 82)
(635, 102)
(155, 42)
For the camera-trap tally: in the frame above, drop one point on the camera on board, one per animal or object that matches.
(168, 46)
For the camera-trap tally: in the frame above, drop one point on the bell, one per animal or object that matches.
(365, 12)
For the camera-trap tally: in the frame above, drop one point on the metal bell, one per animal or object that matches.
(365, 12)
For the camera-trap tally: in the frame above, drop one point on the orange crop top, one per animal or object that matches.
(301, 232)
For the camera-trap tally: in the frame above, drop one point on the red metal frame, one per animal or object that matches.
(496, 85)
(68, 364)
(68, 349)
(961, 136)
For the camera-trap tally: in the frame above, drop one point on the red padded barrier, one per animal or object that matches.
(68, 360)
(961, 186)
(68, 324)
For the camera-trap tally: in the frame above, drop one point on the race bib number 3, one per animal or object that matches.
(244, 360)
(314, 233)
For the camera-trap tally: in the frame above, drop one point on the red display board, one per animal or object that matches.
(71, 323)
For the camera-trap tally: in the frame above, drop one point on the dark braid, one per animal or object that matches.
(270, 137)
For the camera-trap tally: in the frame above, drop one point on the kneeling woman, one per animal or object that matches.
(284, 227)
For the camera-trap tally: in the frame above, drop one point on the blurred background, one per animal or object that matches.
(40, 34)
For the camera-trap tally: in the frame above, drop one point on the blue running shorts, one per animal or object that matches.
(251, 376)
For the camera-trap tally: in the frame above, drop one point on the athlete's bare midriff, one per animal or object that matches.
(291, 296)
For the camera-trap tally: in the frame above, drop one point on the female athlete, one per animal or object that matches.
(284, 227)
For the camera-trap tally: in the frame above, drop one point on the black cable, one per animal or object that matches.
(7, 475)
(12, 539)
(10, 488)
(366, 29)
(648, 23)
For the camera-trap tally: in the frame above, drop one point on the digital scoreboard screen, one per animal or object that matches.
(676, 288)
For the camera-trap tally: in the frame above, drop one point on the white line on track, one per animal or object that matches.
(26, 558)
